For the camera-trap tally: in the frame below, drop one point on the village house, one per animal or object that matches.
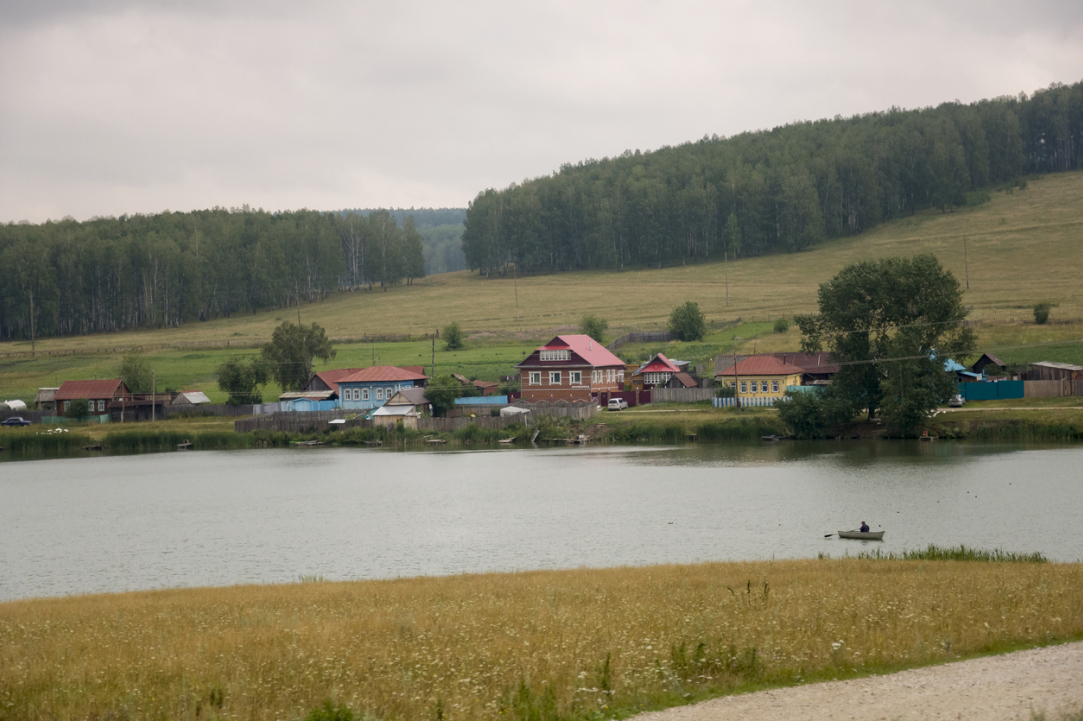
(102, 396)
(989, 365)
(570, 368)
(407, 406)
(816, 368)
(761, 378)
(45, 400)
(371, 387)
(657, 372)
(190, 398)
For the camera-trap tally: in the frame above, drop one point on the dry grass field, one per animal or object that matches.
(541, 645)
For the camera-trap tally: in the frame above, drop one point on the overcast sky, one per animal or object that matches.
(118, 107)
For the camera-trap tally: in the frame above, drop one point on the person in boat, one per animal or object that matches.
(864, 527)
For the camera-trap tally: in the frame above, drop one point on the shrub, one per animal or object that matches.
(593, 326)
(687, 322)
(1041, 313)
(453, 337)
(330, 712)
(78, 409)
(782, 325)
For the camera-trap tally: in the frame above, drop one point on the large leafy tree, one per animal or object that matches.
(242, 379)
(442, 392)
(291, 351)
(687, 322)
(593, 326)
(135, 371)
(891, 323)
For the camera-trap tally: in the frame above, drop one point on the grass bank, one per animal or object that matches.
(1011, 425)
(580, 644)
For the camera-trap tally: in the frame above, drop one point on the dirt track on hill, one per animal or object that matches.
(996, 688)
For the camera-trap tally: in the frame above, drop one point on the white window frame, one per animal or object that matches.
(763, 387)
(744, 386)
(620, 376)
(554, 378)
(575, 377)
(388, 393)
(774, 386)
(555, 355)
(379, 394)
(101, 406)
(535, 378)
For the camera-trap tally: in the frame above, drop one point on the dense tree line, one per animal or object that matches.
(108, 274)
(441, 235)
(773, 191)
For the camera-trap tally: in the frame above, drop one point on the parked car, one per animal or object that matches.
(617, 404)
(15, 421)
(957, 401)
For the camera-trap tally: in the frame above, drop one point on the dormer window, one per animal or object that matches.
(556, 355)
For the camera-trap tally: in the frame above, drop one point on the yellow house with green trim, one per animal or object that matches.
(761, 377)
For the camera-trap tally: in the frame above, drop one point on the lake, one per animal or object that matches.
(122, 523)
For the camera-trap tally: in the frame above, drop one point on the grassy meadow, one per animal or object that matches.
(545, 645)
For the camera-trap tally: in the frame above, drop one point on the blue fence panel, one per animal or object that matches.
(1009, 389)
(482, 401)
(978, 391)
(745, 402)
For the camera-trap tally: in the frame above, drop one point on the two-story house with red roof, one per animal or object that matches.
(570, 368)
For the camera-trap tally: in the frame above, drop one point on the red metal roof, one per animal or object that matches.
(658, 364)
(762, 365)
(381, 374)
(97, 390)
(332, 377)
(590, 350)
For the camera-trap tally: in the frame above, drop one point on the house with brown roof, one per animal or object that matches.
(371, 387)
(102, 396)
(761, 379)
(570, 368)
(814, 366)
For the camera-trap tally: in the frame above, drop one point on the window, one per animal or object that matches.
(388, 392)
(763, 386)
(379, 394)
(101, 406)
(364, 394)
(576, 377)
(554, 378)
(556, 355)
(774, 386)
(620, 376)
(357, 394)
(535, 378)
(744, 387)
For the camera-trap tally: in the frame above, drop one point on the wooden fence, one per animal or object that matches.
(447, 425)
(208, 409)
(651, 336)
(1052, 389)
(295, 422)
(682, 395)
(32, 416)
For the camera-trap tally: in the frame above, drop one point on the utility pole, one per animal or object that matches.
(515, 283)
(32, 352)
(966, 264)
(153, 394)
(726, 267)
(433, 356)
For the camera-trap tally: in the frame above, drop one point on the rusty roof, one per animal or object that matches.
(590, 350)
(96, 390)
(762, 365)
(332, 377)
(382, 374)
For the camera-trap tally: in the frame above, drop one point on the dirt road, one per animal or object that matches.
(996, 688)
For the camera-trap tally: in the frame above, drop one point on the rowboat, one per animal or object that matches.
(866, 536)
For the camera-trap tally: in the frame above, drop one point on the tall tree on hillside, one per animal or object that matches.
(291, 351)
(412, 251)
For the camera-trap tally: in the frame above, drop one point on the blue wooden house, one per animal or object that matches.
(372, 387)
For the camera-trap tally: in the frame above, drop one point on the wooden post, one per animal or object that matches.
(966, 264)
(433, 355)
(153, 393)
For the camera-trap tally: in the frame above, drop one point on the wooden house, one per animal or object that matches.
(371, 387)
(570, 368)
(762, 377)
(102, 396)
(45, 400)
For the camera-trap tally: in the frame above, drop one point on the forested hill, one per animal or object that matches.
(108, 274)
(441, 233)
(774, 191)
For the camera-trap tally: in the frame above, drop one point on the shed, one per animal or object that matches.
(988, 359)
(45, 400)
(1050, 371)
(190, 398)
(387, 415)
(682, 380)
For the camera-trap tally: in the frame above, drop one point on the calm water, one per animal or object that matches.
(193, 519)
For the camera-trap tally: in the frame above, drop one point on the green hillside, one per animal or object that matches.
(1020, 248)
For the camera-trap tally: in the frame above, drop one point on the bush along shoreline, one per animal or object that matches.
(28, 445)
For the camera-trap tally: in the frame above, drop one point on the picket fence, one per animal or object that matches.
(745, 402)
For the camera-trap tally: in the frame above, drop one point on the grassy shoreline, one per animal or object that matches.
(557, 645)
(653, 425)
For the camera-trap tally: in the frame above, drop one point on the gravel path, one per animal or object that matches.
(994, 688)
